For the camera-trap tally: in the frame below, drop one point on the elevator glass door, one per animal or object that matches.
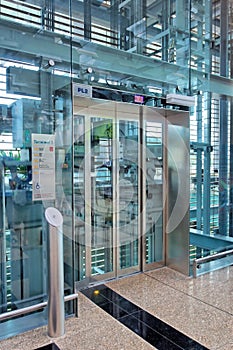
(128, 189)
(153, 187)
(101, 196)
(106, 190)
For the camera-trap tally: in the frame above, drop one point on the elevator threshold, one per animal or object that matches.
(81, 285)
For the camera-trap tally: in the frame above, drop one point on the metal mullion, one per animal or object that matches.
(139, 186)
(142, 203)
(165, 185)
(115, 194)
(87, 195)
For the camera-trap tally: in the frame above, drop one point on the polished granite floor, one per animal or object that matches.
(200, 311)
(156, 332)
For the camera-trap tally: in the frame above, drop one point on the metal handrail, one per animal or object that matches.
(198, 261)
(28, 309)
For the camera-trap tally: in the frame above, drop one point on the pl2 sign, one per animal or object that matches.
(82, 90)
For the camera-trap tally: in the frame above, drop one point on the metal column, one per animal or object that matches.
(231, 175)
(223, 137)
(56, 311)
(87, 20)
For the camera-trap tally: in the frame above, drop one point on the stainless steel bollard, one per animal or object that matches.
(56, 309)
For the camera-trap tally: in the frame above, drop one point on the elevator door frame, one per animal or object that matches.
(108, 109)
(158, 116)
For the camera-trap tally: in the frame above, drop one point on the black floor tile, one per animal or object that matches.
(114, 310)
(148, 334)
(111, 302)
(158, 333)
(106, 295)
(51, 346)
(153, 330)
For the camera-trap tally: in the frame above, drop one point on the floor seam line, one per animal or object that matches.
(191, 296)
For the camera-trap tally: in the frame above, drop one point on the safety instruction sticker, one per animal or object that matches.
(43, 167)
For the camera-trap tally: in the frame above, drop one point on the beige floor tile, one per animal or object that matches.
(197, 307)
(177, 300)
(228, 346)
(92, 330)
(26, 341)
(208, 287)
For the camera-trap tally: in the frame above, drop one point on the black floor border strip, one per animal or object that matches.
(51, 346)
(150, 328)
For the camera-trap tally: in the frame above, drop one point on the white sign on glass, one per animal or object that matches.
(43, 167)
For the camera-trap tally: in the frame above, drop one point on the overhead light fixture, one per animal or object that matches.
(89, 70)
(180, 100)
(49, 64)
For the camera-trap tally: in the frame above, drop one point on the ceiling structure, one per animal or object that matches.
(126, 49)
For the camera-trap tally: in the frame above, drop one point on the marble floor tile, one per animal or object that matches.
(150, 328)
(228, 346)
(200, 308)
(179, 301)
(94, 329)
(208, 288)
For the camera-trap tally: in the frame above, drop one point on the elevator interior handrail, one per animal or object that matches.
(197, 262)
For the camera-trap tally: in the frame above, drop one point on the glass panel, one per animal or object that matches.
(154, 192)
(30, 105)
(101, 196)
(79, 197)
(25, 239)
(64, 183)
(128, 194)
(24, 231)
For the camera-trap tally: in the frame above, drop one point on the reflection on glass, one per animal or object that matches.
(21, 268)
(101, 196)
(154, 194)
(79, 199)
(128, 193)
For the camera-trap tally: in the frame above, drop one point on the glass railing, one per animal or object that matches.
(213, 262)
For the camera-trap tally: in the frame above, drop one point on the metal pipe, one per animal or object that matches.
(209, 258)
(56, 310)
(32, 308)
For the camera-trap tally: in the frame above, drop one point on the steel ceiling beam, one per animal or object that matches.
(28, 42)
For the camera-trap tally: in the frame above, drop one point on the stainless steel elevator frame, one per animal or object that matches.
(176, 184)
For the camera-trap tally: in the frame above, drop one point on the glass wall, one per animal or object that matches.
(35, 156)
(211, 124)
(130, 51)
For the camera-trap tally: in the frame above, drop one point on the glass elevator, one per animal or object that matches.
(131, 189)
